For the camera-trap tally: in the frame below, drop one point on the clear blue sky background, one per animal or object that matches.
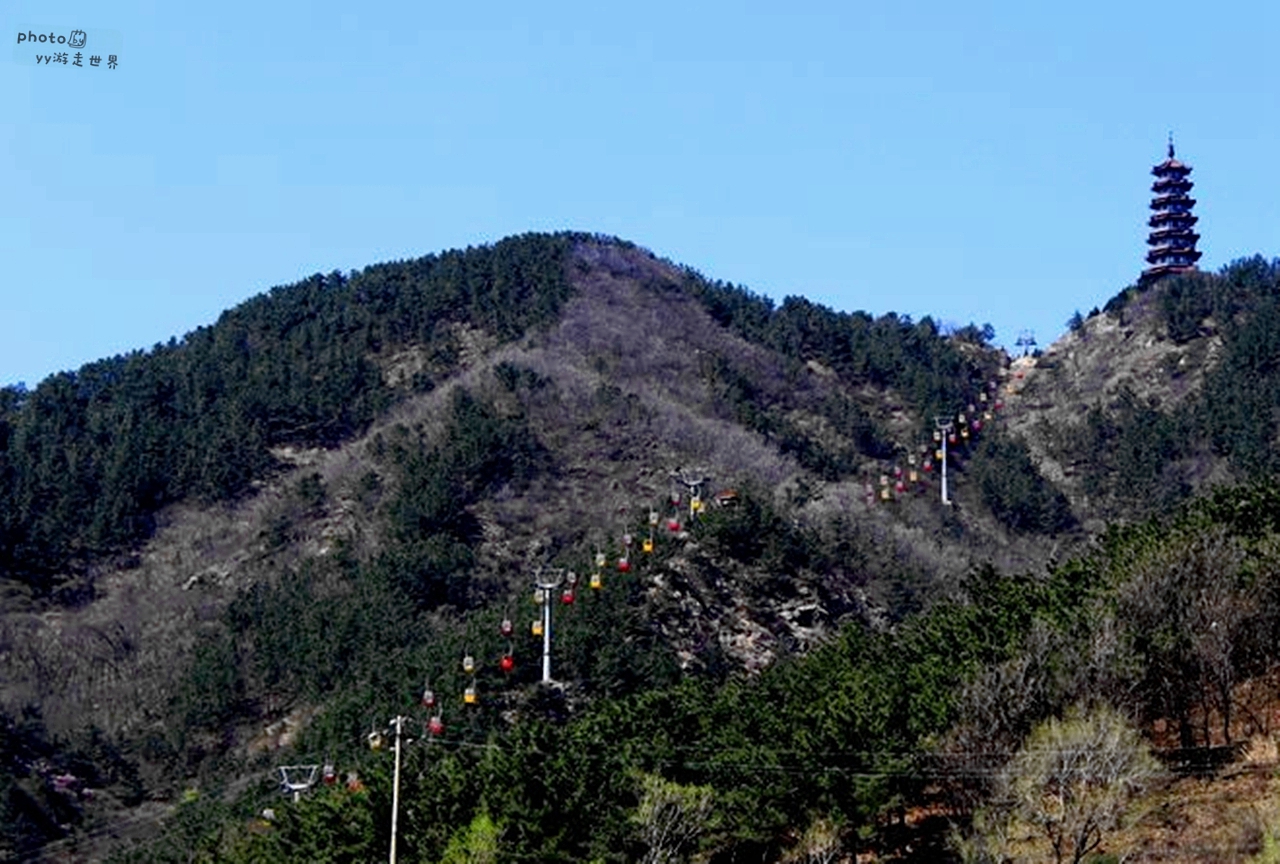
(982, 162)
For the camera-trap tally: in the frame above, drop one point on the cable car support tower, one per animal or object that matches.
(945, 428)
(395, 788)
(297, 779)
(546, 582)
(693, 482)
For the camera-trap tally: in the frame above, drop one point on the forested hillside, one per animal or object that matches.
(251, 547)
(88, 457)
(1162, 392)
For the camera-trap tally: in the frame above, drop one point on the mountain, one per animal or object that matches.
(256, 543)
(1166, 393)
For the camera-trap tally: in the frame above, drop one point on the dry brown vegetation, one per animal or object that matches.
(1050, 396)
(626, 403)
(623, 398)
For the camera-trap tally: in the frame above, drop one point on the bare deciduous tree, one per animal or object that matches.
(998, 708)
(820, 844)
(670, 818)
(1072, 782)
(1185, 606)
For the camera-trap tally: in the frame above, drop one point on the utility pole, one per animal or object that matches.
(944, 426)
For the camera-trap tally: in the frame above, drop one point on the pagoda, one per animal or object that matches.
(1173, 238)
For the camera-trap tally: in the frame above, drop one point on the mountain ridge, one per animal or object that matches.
(493, 443)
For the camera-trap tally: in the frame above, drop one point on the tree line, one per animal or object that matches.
(1142, 456)
(88, 457)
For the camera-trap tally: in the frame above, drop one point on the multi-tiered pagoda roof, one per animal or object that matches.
(1172, 238)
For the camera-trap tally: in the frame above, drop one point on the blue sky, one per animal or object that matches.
(982, 162)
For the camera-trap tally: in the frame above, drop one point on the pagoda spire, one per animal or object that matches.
(1172, 238)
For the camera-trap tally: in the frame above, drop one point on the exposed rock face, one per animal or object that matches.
(1112, 353)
